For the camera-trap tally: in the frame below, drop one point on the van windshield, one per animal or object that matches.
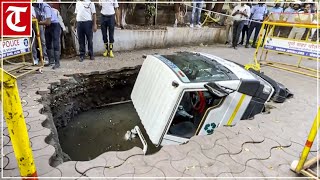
(199, 68)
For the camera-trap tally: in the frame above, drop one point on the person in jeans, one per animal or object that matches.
(108, 10)
(86, 25)
(258, 13)
(240, 14)
(36, 14)
(52, 32)
(245, 29)
(197, 5)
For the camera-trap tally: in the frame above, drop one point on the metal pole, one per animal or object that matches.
(156, 15)
(16, 124)
(309, 142)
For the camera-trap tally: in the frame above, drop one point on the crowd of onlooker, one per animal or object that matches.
(242, 18)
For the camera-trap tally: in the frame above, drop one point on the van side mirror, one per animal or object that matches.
(216, 90)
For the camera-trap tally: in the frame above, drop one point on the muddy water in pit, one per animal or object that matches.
(96, 131)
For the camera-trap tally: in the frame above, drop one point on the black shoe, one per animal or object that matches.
(247, 46)
(254, 46)
(235, 47)
(91, 57)
(226, 43)
(81, 59)
(56, 66)
(241, 43)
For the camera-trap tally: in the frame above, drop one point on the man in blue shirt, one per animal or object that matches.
(275, 13)
(258, 13)
(52, 32)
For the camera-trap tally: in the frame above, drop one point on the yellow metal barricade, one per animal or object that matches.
(269, 42)
(23, 48)
(16, 124)
(302, 166)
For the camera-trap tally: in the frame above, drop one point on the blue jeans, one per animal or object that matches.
(84, 30)
(107, 26)
(52, 34)
(257, 27)
(197, 5)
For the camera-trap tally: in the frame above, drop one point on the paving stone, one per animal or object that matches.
(183, 164)
(173, 152)
(167, 169)
(243, 157)
(284, 171)
(40, 118)
(142, 169)
(155, 172)
(68, 169)
(279, 156)
(7, 173)
(267, 171)
(154, 158)
(231, 148)
(12, 161)
(215, 169)
(215, 152)
(226, 175)
(44, 132)
(48, 150)
(56, 173)
(249, 172)
(118, 171)
(227, 132)
(294, 150)
(42, 164)
(254, 133)
(82, 166)
(111, 159)
(194, 171)
(261, 150)
(191, 145)
(126, 154)
(38, 142)
(35, 126)
(95, 172)
(234, 166)
(6, 140)
(208, 141)
(5, 160)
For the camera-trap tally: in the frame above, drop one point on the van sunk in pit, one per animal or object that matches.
(186, 94)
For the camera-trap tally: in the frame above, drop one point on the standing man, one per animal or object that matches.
(36, 14)
(229, 22)
(86, 25)
(108, 10)
(275, 13)
(196, 9)
(197, 5)
(52, 32)
(240, 14)
(258, 13)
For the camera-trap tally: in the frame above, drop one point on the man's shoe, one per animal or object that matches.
(241, 43)
(235, 47)
(247, 46)
(226, 43)
(56, 66)
(254, 46)
(111, 54)
(91, 57)
(191, 25)
(81, 59)
(198, 26)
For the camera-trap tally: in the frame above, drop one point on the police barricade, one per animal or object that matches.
(288, 46)
(19, 47)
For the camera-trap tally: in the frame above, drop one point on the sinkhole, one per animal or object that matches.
(91, 114)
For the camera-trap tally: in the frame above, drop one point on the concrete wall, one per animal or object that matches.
(139, 39)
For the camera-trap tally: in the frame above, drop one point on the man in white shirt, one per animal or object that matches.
(108, 11)
(86, 25)
(240, 15)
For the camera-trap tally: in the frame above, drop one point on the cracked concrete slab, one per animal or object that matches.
(262, 147)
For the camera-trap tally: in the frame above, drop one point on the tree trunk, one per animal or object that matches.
(218, 6)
